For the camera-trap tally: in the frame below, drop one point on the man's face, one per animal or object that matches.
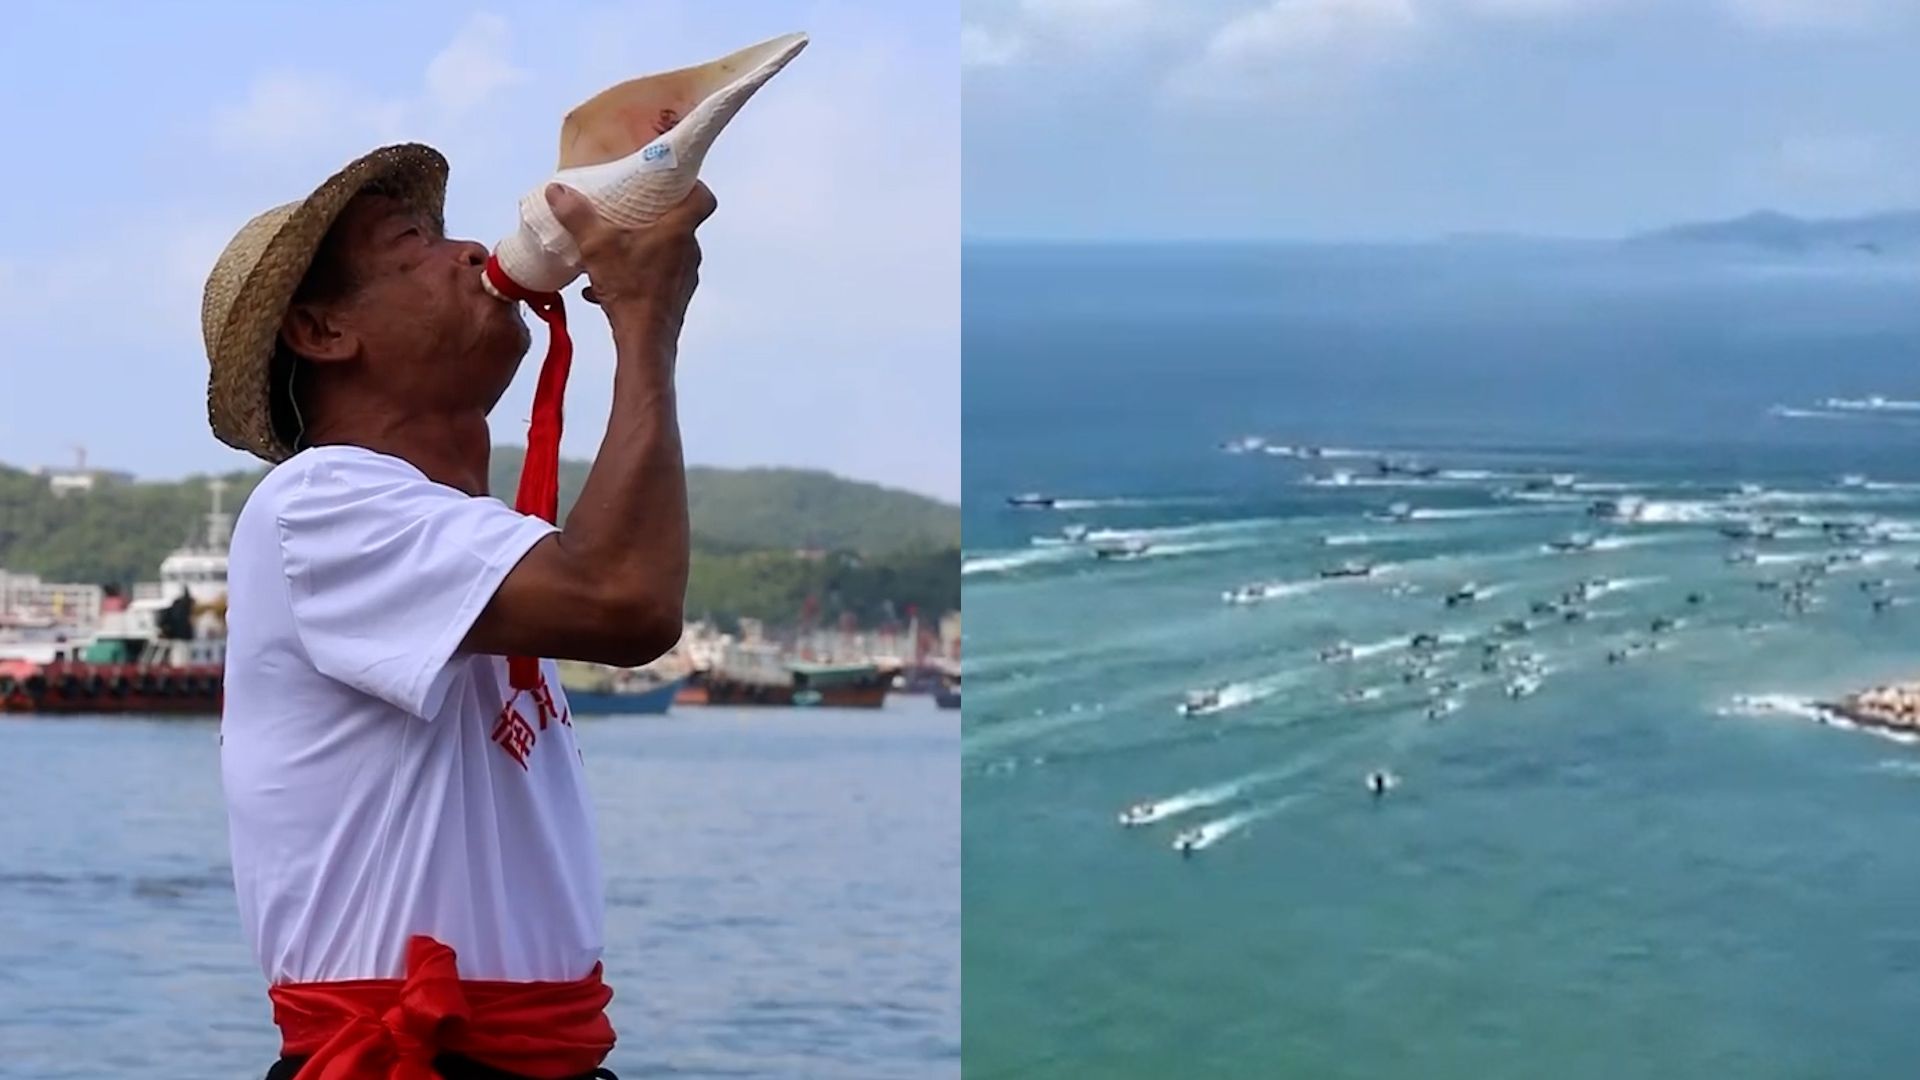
(430, 334)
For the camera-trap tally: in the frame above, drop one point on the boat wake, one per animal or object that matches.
(1010, 561)
(1262, 591)
(1199, 798)
(1471, 514)
(1203, 836)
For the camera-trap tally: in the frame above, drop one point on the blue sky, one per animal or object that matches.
(826, 331)
(1409, 119)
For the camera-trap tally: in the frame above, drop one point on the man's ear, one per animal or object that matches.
(318, 334)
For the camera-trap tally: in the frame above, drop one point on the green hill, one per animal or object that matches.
(766, 540)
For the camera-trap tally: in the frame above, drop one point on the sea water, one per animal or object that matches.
(1657, 865)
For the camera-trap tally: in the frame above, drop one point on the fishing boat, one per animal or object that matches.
(947, 694)
(843, 686)
(594, 690)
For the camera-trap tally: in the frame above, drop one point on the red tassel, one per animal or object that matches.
(539, 492)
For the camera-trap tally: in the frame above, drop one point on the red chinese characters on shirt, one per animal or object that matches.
(515, 734)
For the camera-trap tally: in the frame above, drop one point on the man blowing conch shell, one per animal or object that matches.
(413, 847)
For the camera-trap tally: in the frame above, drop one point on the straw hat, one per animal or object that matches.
(254, 279)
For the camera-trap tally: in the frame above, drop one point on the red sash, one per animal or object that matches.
(392, 1029)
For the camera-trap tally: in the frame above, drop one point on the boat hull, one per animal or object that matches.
(69, 687)
(653, 701)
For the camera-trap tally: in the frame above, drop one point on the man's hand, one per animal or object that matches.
(645, 274)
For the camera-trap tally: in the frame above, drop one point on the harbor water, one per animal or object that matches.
(782, 889)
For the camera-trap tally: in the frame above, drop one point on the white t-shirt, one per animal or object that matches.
(380, 784)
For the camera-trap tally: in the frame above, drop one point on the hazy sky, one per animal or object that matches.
(826, 330)
(1392, 119)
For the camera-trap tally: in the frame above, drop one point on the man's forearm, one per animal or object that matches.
(631, 517)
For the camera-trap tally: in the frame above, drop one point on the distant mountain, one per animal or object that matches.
(1896, 232)
(758, 536)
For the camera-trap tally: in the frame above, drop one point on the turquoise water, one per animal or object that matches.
(782, 897)
(1660, 867)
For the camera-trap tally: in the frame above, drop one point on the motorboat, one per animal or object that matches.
(1145, 813)
(1465, 594)
(1337, 653)
(1352, 568)
(1572, 543)
(1201, 702)
(1525, 686)
(1130, 548)
(1032, 501)
(1398, 513)
(1622, 508)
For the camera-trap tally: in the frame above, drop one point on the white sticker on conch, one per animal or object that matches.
(657, 158)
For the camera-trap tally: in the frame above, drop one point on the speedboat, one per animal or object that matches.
(1305, 453)
(1069, 535)
(1465, 594)
(1853, 480)
(1392, 467)
(1130, 548)
(1189, 840)
(1623, 508)
(1145, 813)
(1749, 530)
(1516, 627)
(1742, 557)
(1337, 653)
(1399, 513)
(1423, 641)
(1663, 624)
(1365, 693)
(1201, 702)
(1032, 501)
(1352, 568)
(1443, 707)
(1525, 686)
(1573, 542)
(1245, 594)
(1246, 444)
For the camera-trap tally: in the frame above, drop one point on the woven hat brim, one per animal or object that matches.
(253, 282)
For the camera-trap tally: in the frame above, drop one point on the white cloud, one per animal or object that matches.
(1821, 15)
(1088, 19)
(1295, 49)
(474, 66)
(980, 47)
(286, 110)
(1535, 8)
(1287, 28)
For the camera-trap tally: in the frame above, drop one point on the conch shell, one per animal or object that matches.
(634, 150)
